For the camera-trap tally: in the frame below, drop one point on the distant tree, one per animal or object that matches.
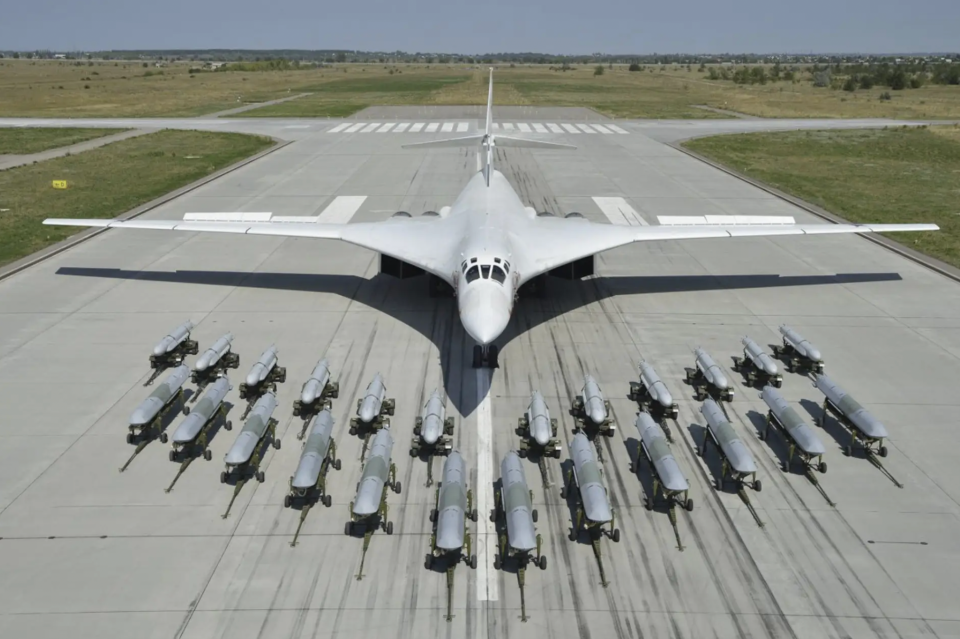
(598, 70)
(702, 67)
(850, 84)
(866, 81)
(918, 80)
(16, 55)
(898, 80)
(885, 96)
(822, 78)
(635, 67)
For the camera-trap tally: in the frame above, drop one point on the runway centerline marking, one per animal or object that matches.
(487, 584)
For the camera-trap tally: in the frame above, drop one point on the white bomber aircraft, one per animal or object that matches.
(487, 244)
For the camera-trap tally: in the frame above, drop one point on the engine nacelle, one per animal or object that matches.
(398, 268)
(576, 270)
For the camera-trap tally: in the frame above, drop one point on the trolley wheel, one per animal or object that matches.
(337, 464)
(556, 453)
(163, 438)
(648, 503)
(348, 529)
(276, 444)
(433, 515)
(428, 562)
(474, 515)
(616, 535)
(563, 492)
(413, 452)
(287, 501)
(535, 515)
(822, 467)
(757, 485)
(496, 562)
(543, 562)
(228, 425)
(173, 455)
(208, 454)
(396, 487)
(129, 438)
(689, 505)
(389, 527)
(261, 476)
(353, 431)
(882, 451)
(186, 409)
(327, 501)
(573, 535)
(762, 435)
(848, 451)
(473, 561)
(223, 477)
(522, 453)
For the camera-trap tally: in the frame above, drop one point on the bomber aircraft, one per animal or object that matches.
(487, 244)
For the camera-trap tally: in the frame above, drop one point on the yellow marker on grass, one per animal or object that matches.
(59, 184)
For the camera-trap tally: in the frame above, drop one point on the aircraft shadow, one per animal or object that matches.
(437, 318)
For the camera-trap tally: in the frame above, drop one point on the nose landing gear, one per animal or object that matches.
(486, 356)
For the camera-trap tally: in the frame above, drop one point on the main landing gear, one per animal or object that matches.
(486, 356)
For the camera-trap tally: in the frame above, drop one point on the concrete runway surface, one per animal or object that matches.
(89, 552)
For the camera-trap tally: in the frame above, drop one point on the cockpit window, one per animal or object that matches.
(498, 274)
(486, 271)
(473, 274)
(463, 267)
(497, 260)
(473, 260)
(506, 266)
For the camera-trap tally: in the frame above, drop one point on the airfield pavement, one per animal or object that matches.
(89, 552)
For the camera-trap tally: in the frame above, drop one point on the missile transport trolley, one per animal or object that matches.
(309, 482)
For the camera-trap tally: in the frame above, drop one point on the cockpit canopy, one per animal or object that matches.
(496, 269)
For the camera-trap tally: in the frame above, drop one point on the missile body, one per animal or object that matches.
(710, 371)
(801, 434)
(731, 446)
(259, 371)
(213, 354)
(174, 339)
(452, 504)
(655, 387)
(538, 419)
(593, 495)
(315, 450)
(253, 431)
(432, 419)
(868, 425)
(313, 388)
(516, 504)
(799, 344)
(372, 400)
(375, 474)
(203, 412)
(654, 443)
(593, 405)
(762, 361)
(152, 405)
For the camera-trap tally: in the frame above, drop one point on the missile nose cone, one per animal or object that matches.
(770, 368)
(813, 353)
(541, 436)
(161, 348)
(252, 378)
(368, 412)
(597, 414)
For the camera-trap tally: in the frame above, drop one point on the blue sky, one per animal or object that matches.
(561, 26)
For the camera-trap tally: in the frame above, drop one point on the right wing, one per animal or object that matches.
(418, 241)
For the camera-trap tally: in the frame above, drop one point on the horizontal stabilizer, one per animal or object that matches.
(449, 143)
(525, 143)
(723, 220)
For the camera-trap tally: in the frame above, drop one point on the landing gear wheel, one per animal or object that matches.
(616, 536)
(163, 438)
(327, 501)
(389, 527)
(543, 562)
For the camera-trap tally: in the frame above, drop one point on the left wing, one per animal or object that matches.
(551, 242)
(417, 241)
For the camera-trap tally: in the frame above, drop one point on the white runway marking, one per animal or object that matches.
(617, 129)
(602, 129)
(339, 128)
(355, 127)
(416, 127)
(554, 127)
(619, 212)
(586, 128)
(570, 128)
(507, 126)
(447, 127)
(386, 127)
(523, 126)
(370, 127)
(432, 127)
(401, 127)
(462, 127)
(539, 128)
(342, 209)
(496, 126)
(487, 584)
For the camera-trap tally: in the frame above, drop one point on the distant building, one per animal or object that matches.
(59, 56)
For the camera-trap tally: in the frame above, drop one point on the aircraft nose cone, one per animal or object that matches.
(484, 314)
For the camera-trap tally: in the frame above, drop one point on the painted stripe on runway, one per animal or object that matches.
(339, 128)
(401, 127)
(619, 212)
(416, 127)
(602, 129)
(447, 127)
(432, 127)
(496, 126)
(617, 129)
(487, 578)
(462, 127)
(355, 127)
(569, 128)
(342, 209)
(370, 127)
(508, 126)
(539, 128)
(554, 127)
(586, 128)
(523, 126)
(386, 127)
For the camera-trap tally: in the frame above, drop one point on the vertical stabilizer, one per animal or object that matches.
(487, 139)
(490, 105)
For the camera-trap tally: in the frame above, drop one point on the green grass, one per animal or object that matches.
(106, 182)
(896, 175)
(22, 141)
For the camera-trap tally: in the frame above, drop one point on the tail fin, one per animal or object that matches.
(490, 105)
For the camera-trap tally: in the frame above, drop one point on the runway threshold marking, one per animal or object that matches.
(487, 584)
(342, 209)
(339, 128)
(619, 212)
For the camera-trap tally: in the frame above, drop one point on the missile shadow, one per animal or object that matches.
(644, 474)
(711, 459)
(831, 426)
(437, 319)
(572, 500)
(775, 440)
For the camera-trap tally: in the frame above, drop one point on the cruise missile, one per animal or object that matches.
(652, 394)
(798, 434)
(372, 407)
(668, 479)
(537, 428)
(378, 474)
(433, 429)
(194, 427)
(213, 355)
(863, 427)
(262, 369)
(756, 365)
(258, 427)
(797, 352)
(706, 370)
(317, 391)
(148, 414)
(264, 376)
(309, 482)
(738, 463)
(592, 410)
(172, 349)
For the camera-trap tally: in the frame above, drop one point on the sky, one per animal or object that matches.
(455, 26)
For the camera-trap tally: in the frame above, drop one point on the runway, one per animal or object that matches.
(90, 552)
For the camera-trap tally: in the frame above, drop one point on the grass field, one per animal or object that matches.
(20, 141)
(895, 175)
(108, 181)
(31, 88)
